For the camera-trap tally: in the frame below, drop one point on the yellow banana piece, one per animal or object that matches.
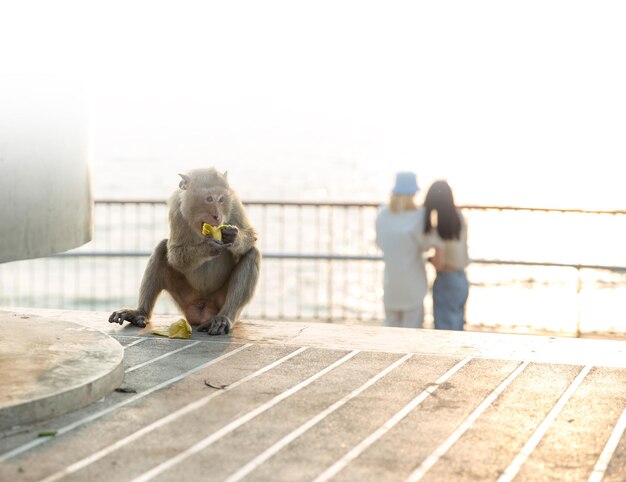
(179, 329)
(214, 231)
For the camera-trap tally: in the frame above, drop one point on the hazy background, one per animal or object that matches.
(516, 103)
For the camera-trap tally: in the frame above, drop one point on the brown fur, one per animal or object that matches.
(211, 281)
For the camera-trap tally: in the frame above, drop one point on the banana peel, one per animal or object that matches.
(179, 329)
(214, 231)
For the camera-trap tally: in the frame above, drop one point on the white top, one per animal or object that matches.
(401, 238)
(455, 255)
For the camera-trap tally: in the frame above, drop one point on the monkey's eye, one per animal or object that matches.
(210, 199)
(220, 199)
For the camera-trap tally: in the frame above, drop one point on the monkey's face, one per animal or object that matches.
(206, 206)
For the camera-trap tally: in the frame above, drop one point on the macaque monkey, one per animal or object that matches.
(210, 280)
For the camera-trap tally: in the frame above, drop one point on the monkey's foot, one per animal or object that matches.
(132, 316)
(218, 325)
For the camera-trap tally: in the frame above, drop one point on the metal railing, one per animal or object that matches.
(321, 263)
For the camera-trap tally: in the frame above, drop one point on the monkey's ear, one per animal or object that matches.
(225, 175)
(184, 183)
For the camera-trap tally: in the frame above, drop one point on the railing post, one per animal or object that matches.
(579, 287)
(329, 294)
(330, 265)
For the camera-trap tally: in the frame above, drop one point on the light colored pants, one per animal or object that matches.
(405, 319)
(450, 291)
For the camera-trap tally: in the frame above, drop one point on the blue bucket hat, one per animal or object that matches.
(406, 183)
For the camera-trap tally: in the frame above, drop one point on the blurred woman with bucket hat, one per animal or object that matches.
(400, 236)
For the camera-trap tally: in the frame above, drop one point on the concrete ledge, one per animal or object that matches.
(536, 348)
(51, 366)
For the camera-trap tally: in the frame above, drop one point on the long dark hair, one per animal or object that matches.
(440, 199)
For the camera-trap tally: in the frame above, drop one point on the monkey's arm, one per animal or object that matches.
(186, 257)
(153, 282)
(241, 239)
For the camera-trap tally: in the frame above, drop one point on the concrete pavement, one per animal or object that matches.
(298, 401)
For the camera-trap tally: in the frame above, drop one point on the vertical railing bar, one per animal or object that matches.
(76, 279)
(46, 265)
(346, 281)
(7, 290)
(30, 281)
(137, 222)
(15, 299)
(123, 270)
(264, 209)
(579, 287)
(31, 278)
(109, 228)
(359, 309)
(317, 267)
(329, 234)
(92, 278)
(299, 265)
(281, 265)
(16, 294)
(61, 283)
(155, 238)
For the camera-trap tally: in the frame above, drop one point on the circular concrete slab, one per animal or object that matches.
(50, 367)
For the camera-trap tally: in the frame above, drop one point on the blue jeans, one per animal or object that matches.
(450, 291)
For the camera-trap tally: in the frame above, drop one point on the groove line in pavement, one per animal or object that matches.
(204, 443)
(515, 466)
(90, 418)
(165, 355)
(287, 439)
(136, 342)
(388, 425)
(609, 449)
(81, 464)
(432, 459)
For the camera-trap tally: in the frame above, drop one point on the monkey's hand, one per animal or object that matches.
(229, 234)
(218, 325)
(134, 317)
(214, 246)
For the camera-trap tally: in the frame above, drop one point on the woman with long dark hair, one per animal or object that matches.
(445, 224)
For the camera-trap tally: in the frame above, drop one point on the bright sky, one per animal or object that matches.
(513, 102)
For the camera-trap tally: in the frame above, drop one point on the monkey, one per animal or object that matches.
(211, 281)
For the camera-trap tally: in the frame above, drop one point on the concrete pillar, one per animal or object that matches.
(45, 190)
